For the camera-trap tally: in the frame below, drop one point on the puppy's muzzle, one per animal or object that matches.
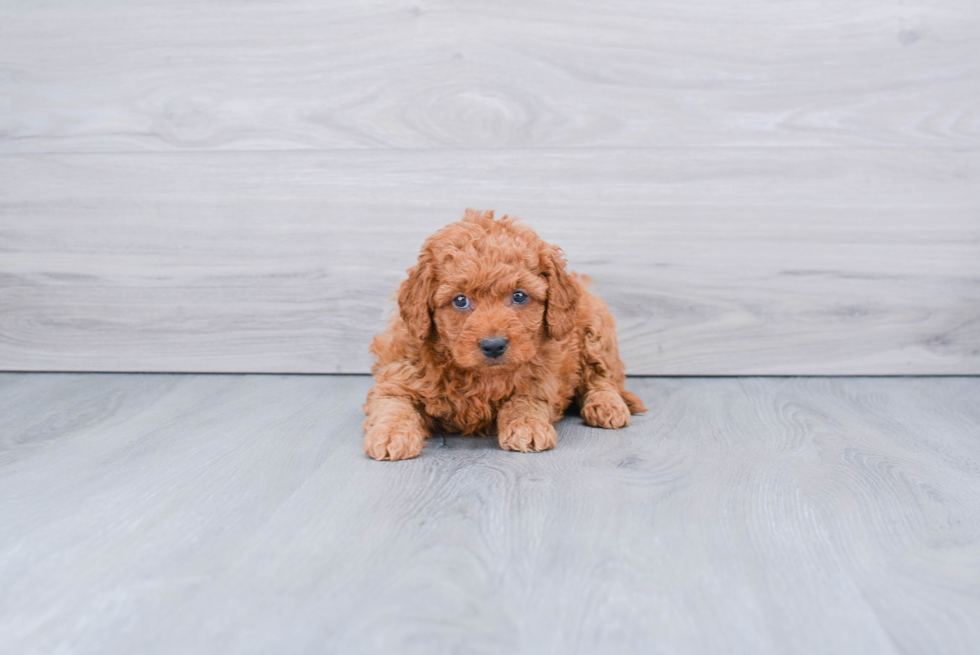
(493, 347)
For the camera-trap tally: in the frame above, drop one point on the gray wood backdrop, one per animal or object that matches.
(757, 187)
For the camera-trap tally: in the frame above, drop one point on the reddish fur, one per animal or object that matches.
(431, 376)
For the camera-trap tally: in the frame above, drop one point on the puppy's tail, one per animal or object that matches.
(632, 401)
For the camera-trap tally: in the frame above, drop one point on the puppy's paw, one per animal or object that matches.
(386, 441)
(528, 435)
(605, 409)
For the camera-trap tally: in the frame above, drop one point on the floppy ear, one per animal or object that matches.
(414, 296)
(563, 292)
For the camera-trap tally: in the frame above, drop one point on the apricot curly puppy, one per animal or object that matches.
(493, 336)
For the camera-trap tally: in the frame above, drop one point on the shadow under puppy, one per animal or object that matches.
(492, 336)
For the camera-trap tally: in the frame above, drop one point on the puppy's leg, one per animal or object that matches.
(603, 400)
(604, 407)
(394, 428)
(524, 424)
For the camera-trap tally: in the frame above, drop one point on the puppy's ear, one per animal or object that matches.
(563, 293)
(414, 298)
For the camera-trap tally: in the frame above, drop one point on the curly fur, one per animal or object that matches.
(429, 370)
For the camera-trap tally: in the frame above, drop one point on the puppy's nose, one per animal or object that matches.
(494, 347)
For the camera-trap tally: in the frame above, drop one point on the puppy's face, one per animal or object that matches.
(489, 316)
(491, 292)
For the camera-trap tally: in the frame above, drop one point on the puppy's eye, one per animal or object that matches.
(461, 302)
(519, 297)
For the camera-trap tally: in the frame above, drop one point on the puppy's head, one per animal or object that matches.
(490, 291)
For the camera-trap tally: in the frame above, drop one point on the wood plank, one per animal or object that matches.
(161, 513)
(172, 75)
(714, 261)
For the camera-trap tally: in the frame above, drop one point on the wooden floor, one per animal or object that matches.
(202, 514)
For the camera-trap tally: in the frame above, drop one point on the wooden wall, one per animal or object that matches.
(756, 188)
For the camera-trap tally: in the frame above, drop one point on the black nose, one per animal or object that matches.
(494, 347)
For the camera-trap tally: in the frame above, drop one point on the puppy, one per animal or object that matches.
(492, 336)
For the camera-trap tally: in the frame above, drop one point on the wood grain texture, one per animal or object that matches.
(177, 75)
(194, 514)
(856, 262)
(777, 188)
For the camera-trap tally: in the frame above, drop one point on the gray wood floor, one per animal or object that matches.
(201, 514)
(777, 188)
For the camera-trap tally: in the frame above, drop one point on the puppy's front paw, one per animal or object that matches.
(605, 409)
(528, 435)
(385, 441)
